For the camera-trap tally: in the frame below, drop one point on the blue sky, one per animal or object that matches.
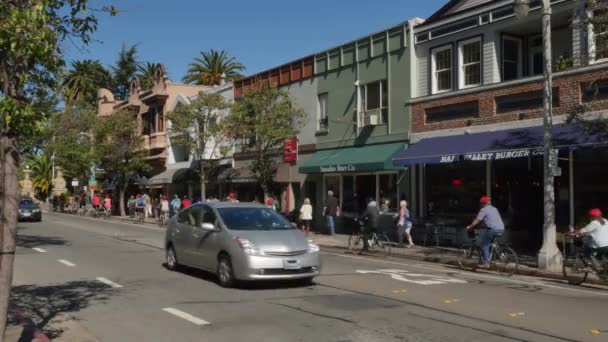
(260, 33)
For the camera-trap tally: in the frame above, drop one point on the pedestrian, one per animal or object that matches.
(164, 206)
(131, 206)
(493, 227)
(148, 201)
(186, 203)
(404, 224)
(107, 203)
(331, 210)
(306, 215)
(175, 204)
(232, 197)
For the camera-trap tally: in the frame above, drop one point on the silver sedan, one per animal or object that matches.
(240, 241)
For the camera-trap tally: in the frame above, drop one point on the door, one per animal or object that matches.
(182, 236)
(206, 242)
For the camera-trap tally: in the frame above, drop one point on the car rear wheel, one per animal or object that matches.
(225, 274)
(171, 259)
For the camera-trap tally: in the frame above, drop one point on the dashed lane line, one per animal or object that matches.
(67, 263)
(109, 282)
(40, 250)
(186, 316)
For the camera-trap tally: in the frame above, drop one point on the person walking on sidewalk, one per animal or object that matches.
(331, 210)
(306, 215)
(148, 201)
(175, 205)
(404, 225)
(493, 224)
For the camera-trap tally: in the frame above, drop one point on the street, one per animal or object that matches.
(109, 276)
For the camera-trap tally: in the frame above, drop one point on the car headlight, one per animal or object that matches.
(248, 246)
(312, 247)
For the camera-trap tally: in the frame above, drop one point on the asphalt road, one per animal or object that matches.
(109, 276)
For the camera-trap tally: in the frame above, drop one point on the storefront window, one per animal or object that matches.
(388, 190)
(333, 183)
(453, 190)
(366, 189)
(349, 202)
(590, 186)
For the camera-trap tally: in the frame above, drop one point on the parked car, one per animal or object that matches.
(29, 211)
(240, 242)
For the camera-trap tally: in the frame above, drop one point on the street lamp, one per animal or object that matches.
(549, 256)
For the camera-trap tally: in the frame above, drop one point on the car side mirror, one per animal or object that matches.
(208, 227)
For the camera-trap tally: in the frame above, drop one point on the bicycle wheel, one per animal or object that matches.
(575, 269)
(384, 244)
(504, 261)
(469, 260)
(353, 241)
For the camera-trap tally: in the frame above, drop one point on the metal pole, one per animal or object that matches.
(571, 186)
(549, 257)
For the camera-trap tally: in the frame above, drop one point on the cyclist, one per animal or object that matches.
(597, 229)
(96, 201)
(140, 206)
(131, 205)
(493, 224)
(83, 201)
(176, 204)
(107, 203)
(371, 217)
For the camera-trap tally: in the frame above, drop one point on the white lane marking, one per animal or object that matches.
(186, 316)
(399, 275)
(531, 280)
(39, 250)
(108, 282)
(67, 263)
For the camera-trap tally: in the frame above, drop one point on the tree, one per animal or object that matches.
(145, 72)
(72, 142)
(209, 68)
(84, 79)
(123, 71)
(31, 35)
(198, 127)
(42, 170)
(263, 118)
(120, 148)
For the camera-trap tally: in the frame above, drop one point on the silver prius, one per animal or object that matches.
(240, 241)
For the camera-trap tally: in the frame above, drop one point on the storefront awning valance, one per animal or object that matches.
(165, 177)
(498, 145)
(353, 159)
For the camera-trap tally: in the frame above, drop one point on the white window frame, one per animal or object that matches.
(591, 42)
(532, 50)
(322, 111)
(434, 70)
(382, 90)
(520, 69)
(461, 66)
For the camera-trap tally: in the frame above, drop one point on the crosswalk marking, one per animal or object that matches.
(420, 279)
(186, 316)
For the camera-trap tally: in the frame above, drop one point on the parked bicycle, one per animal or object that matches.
(376, 242)
(577, 264)
(503, 258)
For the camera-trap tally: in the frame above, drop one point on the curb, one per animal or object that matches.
(522, 270)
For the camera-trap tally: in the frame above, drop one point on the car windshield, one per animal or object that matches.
(242, 218)
(28, 205)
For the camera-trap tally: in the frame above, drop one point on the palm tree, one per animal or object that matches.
(123, 71)
(209, 68)
(145, 72)
(83, 79)
(42, 168)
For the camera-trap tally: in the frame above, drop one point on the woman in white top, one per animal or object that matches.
(306, 215)
(404, 225)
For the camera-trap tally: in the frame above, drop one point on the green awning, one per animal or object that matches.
(353, 159)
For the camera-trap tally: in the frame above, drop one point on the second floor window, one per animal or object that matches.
(322, 121)
(469, 62)
(441, 68)
(511, 58)
(600, 36)
(376, 99)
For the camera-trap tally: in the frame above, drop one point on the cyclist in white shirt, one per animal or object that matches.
(597, 229)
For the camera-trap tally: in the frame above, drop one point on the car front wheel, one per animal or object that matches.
(225, 273)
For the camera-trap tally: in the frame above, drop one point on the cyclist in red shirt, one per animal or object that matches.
(96, 201)
(186, 203)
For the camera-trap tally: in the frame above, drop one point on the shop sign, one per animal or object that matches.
(75, 182)
(290, 150)
(339, 168)
(481, 156)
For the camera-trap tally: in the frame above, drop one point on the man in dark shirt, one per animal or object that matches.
(330, 211)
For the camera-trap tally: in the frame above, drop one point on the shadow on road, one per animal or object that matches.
(36, 306)
(31, 241)
(250, 285)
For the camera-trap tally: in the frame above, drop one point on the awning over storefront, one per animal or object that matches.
(236, 175)
(168, 176)
(353, 159)
(499, 145)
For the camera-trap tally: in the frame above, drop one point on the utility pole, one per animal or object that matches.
(549, 256)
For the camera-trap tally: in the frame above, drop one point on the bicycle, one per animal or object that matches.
(107, 213)
(577, 264)
(140, 215)
(503, 258)
(163, 218)
(375, 241)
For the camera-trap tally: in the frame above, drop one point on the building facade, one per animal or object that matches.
(477, 116)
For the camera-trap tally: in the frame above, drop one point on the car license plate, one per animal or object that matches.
(27, 214)
(291, 264)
